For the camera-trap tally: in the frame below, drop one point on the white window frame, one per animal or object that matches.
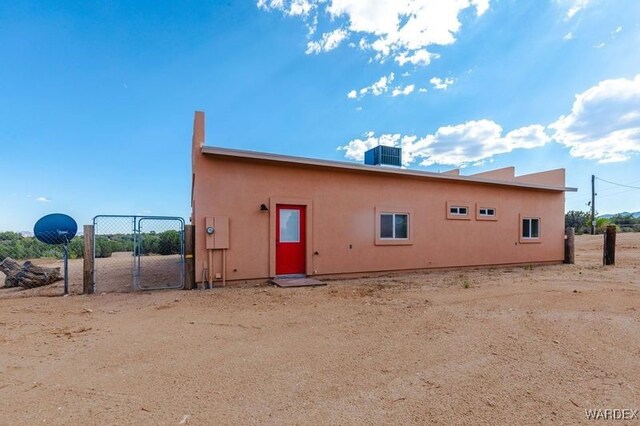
(453, 208)
(529, 228)
(457, 210)
(486, 212)
(297, 214)
(393, 229)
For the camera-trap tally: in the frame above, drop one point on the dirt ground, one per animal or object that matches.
(515, 345)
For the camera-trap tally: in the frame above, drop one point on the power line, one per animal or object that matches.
(591, 203)
(618, 184)
(614, 193)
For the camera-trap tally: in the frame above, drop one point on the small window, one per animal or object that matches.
(530, 228)
(394, 226)
(457, 210)
(485, 211)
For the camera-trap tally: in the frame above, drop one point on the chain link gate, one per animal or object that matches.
(138, 253)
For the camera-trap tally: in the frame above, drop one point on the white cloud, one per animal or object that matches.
(329, 42)
(478, 140)
(575, 6)
(568, 36)
(381, 86)
(293, 7)
(419, 57)
(604, 123)
(422, 90)
(441, 84)
(457, 145)
(407, 90)
(400, 29)
(617, 30)
(43, 200)
(600, 45)
(376, 89)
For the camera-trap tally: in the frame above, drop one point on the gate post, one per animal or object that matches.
(88, 259)
(569, 247)
(609, 257)
(189, 261)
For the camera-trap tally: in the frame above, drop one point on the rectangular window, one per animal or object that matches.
(530, 228)
(486, 211)
(457, 210)
(386, 226)
(394, 226)
(289, 226)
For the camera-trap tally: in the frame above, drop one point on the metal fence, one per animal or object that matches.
(138, 253)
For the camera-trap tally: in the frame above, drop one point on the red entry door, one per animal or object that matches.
(290, 239)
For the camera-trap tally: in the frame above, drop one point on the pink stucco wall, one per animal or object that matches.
(341, 217)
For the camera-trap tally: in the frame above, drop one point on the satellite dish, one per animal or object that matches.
(56, 228)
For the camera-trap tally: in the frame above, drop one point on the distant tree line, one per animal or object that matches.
(581, 221)
(14, 245)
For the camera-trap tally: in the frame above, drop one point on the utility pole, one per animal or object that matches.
(593, 205)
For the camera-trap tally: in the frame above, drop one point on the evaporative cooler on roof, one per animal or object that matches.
(383, 156)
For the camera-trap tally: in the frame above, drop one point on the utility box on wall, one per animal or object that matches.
(217, 229)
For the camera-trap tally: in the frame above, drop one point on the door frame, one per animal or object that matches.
(303, 202)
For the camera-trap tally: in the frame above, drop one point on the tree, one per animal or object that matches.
(104, 247)
(580, 221)
(625, 219)
(150, 243)
(76, 248)
(602, 223)
(169, 242)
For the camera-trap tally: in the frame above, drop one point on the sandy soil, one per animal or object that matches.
(520, 345)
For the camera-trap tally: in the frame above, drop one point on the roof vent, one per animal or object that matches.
(384, 156)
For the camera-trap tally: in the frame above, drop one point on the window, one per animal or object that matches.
(530, 228)
(289, 226)
(394, 226)
(457, 210)
(486, 211)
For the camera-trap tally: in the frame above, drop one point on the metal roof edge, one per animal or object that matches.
(255, 155)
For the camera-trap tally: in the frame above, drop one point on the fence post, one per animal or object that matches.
(189, 261)
(609, 255)
(87, 268)
(569, 248)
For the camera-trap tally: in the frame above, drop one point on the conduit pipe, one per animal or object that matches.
(210, 268)
(224, 268)
(203, 278)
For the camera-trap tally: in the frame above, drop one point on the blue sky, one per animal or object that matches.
(97, 98)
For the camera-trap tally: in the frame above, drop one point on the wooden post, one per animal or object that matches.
(609, 256)
(87, 269)
(569, 248)
(189, 260)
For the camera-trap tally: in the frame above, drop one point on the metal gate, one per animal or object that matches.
(137, 253)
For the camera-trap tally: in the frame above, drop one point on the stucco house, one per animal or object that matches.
(260, 215)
